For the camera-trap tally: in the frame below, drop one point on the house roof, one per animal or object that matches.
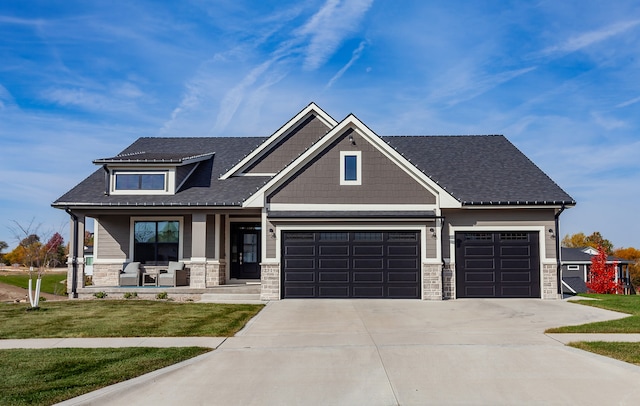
(481, 170)
(475, 170)
(578, 255)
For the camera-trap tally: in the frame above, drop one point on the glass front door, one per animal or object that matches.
(245, 250)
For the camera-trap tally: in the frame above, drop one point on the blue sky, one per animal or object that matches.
(80, 80)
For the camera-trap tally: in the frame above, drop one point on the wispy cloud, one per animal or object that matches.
(354, 57)
(328, 28)
(628, 102)
(586, 39)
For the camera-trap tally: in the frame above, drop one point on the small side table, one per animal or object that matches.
(150, 278)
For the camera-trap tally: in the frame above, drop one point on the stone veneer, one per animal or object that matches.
(550, 281)
(431, 282)
(106, 274)
(270, 279)
(80, 282)
(216, 273)
(198, 275)
(449, 282)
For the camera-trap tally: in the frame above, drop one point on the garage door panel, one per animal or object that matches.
(513, 269)
(300, 263)
(364, 250)
(333, 251)
(399, 250)
(479, 264)
(372, 264)
(303, 250)
(333, 263)
(369, 263)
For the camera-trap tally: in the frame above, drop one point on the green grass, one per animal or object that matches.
(48, 376)
(618, 303)
(51, 282)
(628, 352)
(124, 318)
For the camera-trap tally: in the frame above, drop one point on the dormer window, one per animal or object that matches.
(136, 181)
(140, 181)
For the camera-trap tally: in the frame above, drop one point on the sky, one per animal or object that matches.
(81, 80)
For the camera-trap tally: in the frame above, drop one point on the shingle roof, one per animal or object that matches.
(480, 170)
(578, 255)
(473, 169)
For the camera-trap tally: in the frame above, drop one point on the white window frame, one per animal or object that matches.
(169, 181)
(358, 180)
(573, 267)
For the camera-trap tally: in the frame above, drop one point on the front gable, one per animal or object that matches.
(315, 177)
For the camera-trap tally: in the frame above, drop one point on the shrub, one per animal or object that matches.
(162, 296)
(130, 295)
(100, 295)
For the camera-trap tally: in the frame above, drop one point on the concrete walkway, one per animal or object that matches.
(383, 352)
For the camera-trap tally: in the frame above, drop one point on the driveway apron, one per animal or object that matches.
(393, 352)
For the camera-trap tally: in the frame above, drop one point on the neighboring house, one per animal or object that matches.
(328, 209)
(576, 263)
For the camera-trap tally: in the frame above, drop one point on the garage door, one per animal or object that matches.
(347, 264)
(497, 264)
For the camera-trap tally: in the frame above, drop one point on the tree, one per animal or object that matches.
(595, 240)
(3, 246)
(631, 254)
(602, 275)
(56, 249)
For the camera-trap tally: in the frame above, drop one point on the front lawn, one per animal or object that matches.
(628, 352)
(619, 303)
(123, 318)
(48, 376)
(51, 282)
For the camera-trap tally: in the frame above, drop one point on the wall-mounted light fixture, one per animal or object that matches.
(551, 233)
(433, 232)
(351, 140)
(272, 233)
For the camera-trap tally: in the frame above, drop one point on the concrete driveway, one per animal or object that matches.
(387, 352)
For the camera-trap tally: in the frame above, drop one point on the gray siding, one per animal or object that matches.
(504, 218)
(290, 147)
(383, 182)
(210, 251)
(112, 235)
(270, 241)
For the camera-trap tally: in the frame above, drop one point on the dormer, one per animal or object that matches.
(145, 173)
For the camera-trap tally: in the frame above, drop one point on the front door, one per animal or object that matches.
(245, 250)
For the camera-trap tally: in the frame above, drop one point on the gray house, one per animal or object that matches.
(326, 209)
(576, 263)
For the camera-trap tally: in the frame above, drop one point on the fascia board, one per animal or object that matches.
(289, 125)
(351, 121)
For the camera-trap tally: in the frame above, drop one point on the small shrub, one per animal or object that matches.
(130, 295)
(100, 295)
(162, 296)
(43, 299)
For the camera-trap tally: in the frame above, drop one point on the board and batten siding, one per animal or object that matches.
(112, 237)
(383, 182)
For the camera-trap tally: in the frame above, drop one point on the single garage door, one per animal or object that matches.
(497, 264)
(351, 264)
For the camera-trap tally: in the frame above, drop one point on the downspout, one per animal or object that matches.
(444, 264)
(558, 251)
(106, 179)
(74, 258)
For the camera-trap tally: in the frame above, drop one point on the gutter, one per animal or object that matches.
(558, 250)
(74, 259)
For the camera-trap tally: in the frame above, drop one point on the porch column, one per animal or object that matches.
(198, 250)
(76, 248)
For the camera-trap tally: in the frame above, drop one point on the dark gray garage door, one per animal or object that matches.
(346, 264)
(497, 264)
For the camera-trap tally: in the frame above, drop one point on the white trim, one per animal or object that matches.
(312, 108)
(351, 207)
(443, 198)
(180, 221)
(227, 240)
(573, 267)
(358, 180)
(568, 287)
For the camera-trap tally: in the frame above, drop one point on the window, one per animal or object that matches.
(140, 181)
(350, 168)
(156, 241)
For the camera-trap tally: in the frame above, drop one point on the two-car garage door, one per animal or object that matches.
(351, 264)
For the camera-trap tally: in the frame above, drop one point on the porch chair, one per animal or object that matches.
(174, 275)
(130, 274)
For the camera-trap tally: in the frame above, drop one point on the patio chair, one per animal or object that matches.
(174, 275)
(130, 275)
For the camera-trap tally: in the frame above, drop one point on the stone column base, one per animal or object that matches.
(431, 282)
(270, 280)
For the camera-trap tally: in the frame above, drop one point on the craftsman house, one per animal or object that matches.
(325, 209)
